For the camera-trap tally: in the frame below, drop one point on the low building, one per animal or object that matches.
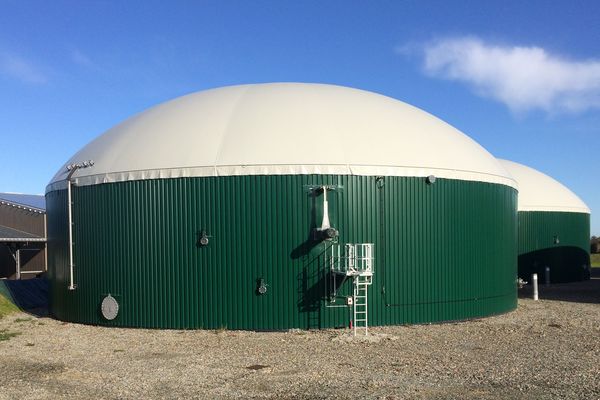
(22, 236)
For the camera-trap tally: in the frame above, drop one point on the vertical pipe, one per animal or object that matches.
(72, 168)
(70, 211)
(547, 276)
(534, 279)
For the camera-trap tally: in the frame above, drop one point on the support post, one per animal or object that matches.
(547, 276)
(534, 280)
(18, 263)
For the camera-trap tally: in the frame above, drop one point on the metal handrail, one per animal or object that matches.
(356, 260)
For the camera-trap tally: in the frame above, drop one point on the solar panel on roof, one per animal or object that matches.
(30, 200)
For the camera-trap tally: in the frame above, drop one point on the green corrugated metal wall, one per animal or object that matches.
(537, 247)
(445, 251)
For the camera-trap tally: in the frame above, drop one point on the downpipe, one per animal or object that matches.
(72, 168)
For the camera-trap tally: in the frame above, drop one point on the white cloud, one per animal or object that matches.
(523, 78)
(14, 66)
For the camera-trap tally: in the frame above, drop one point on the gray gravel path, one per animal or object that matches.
(545, 350)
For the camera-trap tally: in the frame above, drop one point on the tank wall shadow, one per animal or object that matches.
(567, 264)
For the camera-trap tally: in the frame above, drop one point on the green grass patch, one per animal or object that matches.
(6, 307)
(6, 335)
(595, 258)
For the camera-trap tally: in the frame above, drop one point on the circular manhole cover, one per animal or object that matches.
(109, 307)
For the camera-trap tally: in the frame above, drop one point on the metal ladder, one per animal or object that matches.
(360, 303)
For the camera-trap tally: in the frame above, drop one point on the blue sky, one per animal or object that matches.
(521, 78)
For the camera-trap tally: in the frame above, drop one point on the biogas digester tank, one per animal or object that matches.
(208, 212)
(554, 227)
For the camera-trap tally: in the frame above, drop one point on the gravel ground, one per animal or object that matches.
(548, 349)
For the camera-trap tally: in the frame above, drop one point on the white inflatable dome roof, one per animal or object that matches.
(282, 128)
(539, 192)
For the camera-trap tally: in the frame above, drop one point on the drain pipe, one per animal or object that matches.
(72, 168)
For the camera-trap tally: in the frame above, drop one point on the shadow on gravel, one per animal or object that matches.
(577, 292)
(30, 295)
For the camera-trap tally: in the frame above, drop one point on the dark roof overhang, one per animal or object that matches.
(11, 235)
